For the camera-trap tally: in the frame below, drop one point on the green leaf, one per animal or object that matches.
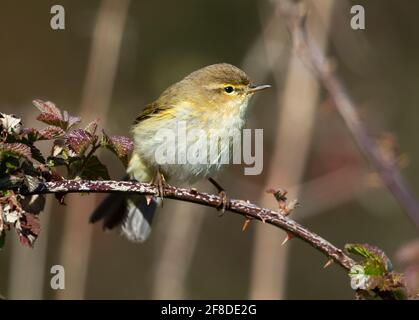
(92, 127)
(56, 162)
(37, 154)
(9, 163)
(10, 182)
(18, 149)
(375, 263)
(92, 169)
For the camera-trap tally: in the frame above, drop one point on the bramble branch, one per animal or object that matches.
(241, 207)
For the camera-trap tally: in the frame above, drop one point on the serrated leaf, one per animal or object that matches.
(51, 132)
(28, 228)
(18, 149)
(79, 140)
(93, 169)
(92, 127)
(120, 145)
(48, 107)
(10, 123)
(9, 163)
(376, 262)
(31, 134)
(52, 119)
(37, 154)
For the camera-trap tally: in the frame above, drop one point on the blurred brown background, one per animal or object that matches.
(116, 56)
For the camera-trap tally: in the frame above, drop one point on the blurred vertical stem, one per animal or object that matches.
(175, 253)
(28, 266)
(310, 52)
(295, 129)
(177, 249)
(95, 103)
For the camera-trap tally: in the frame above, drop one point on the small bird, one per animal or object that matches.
(212, 98)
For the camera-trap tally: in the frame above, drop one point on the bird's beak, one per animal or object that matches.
(254, 88)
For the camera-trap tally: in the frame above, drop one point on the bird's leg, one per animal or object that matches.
(159, 181)
(222, 194)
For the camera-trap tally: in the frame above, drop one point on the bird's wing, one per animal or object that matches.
(151, 110)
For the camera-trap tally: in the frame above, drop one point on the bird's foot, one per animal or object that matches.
(160, 182)
(224, 200)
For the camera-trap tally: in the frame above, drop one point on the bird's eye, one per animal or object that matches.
(229, 89)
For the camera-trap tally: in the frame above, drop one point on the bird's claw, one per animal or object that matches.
(223, 203)
(160, 182)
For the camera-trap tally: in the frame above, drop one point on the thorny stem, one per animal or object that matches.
(295, 14)
(244, 208)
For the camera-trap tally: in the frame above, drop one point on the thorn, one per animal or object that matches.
(328, 263)
(263, 219)
(287, 238)
(246, 224)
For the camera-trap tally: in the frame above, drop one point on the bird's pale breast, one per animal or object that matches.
(199, 130)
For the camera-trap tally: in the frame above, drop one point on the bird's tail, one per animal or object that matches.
(131, 213)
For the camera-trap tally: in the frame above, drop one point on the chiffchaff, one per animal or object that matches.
(214, 98)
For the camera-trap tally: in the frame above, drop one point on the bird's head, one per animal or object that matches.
(216, 86)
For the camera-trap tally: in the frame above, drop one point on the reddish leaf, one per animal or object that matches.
(48, 107)
(18, 149)
(79, 140)
(52, 119)
(91, 127)
(122, 146)
(29, 228)
(51, 115)
(51, 132)
(30, 133)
